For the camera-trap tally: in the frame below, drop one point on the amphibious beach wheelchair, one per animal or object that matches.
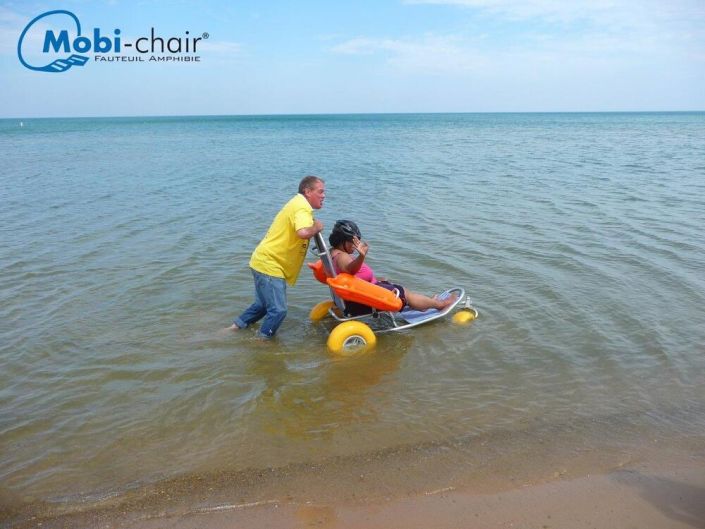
(363, 308)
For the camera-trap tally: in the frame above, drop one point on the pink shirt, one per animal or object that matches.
(365, 272)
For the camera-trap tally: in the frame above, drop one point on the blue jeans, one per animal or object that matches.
(270, 304)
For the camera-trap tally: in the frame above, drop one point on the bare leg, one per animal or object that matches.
(420, 302)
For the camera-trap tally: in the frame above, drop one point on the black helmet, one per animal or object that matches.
(344, 230)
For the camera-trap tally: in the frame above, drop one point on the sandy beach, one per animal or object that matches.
(666, 493)
(643, 496)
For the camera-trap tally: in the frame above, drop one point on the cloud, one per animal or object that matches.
(362, 46)
(458, 56)
(613, 13)
(675, 25)
(11, 25)
(555, 10)
(596, 32)
(431, 54)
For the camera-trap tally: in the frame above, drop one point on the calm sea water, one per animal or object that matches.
(124, 251)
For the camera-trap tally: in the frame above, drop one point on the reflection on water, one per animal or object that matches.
(345, 391)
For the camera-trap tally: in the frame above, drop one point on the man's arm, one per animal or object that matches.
(307, 233)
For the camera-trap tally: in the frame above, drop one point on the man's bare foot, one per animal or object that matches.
(227, 330)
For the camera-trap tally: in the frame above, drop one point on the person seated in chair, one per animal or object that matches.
(346, 239)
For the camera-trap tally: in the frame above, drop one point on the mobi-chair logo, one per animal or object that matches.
(56, 41)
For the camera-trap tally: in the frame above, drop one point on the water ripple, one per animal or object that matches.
(577, 236)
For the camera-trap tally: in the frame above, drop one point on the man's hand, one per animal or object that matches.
(307, 233)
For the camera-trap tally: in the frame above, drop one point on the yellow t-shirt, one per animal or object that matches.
(281, 253)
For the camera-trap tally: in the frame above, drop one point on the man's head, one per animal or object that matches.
(314, 190)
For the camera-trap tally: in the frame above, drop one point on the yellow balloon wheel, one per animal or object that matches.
(320, 311)
(351, 337)
(465, 316)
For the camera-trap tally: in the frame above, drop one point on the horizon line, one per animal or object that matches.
(322, 114)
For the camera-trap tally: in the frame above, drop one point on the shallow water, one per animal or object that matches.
(124, 251)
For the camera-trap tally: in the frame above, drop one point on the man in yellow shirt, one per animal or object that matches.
(278, 257)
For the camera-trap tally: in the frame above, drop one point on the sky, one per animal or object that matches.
(382, 56)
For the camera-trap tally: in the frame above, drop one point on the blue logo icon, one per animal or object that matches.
(62, 43)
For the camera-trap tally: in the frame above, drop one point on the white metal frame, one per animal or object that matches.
(375, 315)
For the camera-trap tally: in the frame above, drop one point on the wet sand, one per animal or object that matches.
(643, 497)
(659, 490)
(544, 475)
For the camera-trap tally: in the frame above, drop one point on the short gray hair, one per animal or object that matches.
(308, 182)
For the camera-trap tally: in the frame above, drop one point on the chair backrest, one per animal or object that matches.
(327, 261)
